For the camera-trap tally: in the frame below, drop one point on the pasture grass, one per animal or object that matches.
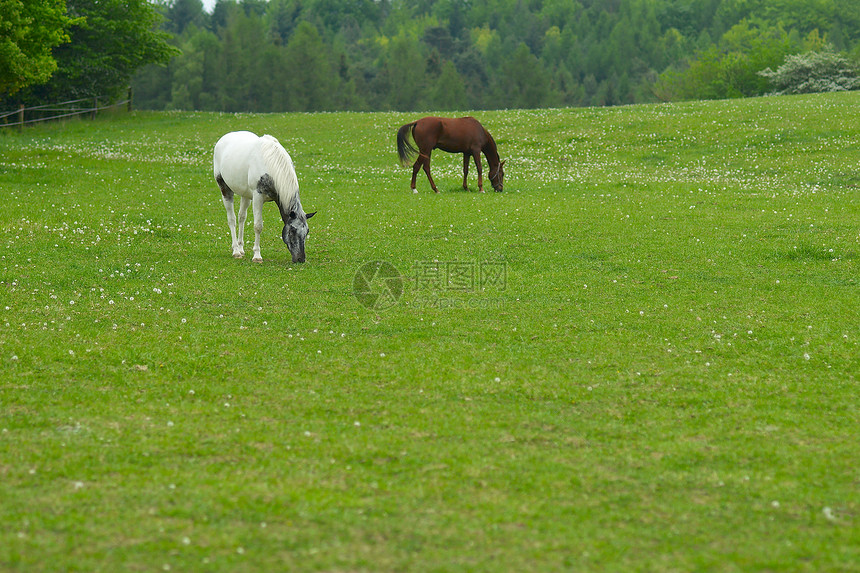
(654, 366)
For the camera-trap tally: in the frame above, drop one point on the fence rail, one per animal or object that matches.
(58, 111)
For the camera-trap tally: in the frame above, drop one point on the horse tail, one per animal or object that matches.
(405, 149)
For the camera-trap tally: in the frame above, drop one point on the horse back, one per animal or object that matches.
(237, 160)
(454, 135)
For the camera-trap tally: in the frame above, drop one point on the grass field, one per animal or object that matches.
(643, 355)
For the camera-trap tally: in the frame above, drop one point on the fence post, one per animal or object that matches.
(129, 99)
(95, 106)
(21, 118)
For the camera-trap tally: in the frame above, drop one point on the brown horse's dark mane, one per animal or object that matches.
(491, 152)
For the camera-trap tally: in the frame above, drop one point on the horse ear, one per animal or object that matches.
(309, 215)
(502, 164)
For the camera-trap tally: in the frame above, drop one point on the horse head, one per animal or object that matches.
(295, 232)
(497, 179)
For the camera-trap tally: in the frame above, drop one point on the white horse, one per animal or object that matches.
(259, 169)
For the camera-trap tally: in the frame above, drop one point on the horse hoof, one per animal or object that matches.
(238, 255)
(257, 260)
(415, 191)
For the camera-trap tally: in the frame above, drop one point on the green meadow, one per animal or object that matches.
(643, 355)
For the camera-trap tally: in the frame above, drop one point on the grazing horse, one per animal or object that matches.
(461, 135)
(259, 169)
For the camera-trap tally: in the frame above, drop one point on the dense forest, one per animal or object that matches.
(309, 55)
(317, 55)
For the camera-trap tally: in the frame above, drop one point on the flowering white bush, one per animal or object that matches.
(813, 72)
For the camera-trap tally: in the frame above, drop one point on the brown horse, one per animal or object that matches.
(461, 135)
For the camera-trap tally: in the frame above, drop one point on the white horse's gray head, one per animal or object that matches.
(295, 232)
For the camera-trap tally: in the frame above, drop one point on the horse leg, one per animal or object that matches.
(258, 226)
(227, 198)
(427, 171)
(243, 216)
(231, 222)
(415, 168)
(465, 171)
(477, 156)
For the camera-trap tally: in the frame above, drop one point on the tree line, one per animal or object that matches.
(318, 55)
(312, 55)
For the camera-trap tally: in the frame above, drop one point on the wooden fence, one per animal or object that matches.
(79, 107)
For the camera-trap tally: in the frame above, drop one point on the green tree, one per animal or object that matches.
(802, 16)
(406, 69)
(570, 92)
(245, 83)
(310, 80)
(348, 95)
(153, 86)
(110, 41)
(472, 69)
(622, 46)
(195, 72)
(283, 16)
(523, 83)
(28, 32)
(846, 30)
(448, 91)
(731, 69)
(184, 13)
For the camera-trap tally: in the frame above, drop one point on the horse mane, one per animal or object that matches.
(490, 150)
(281, 170)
